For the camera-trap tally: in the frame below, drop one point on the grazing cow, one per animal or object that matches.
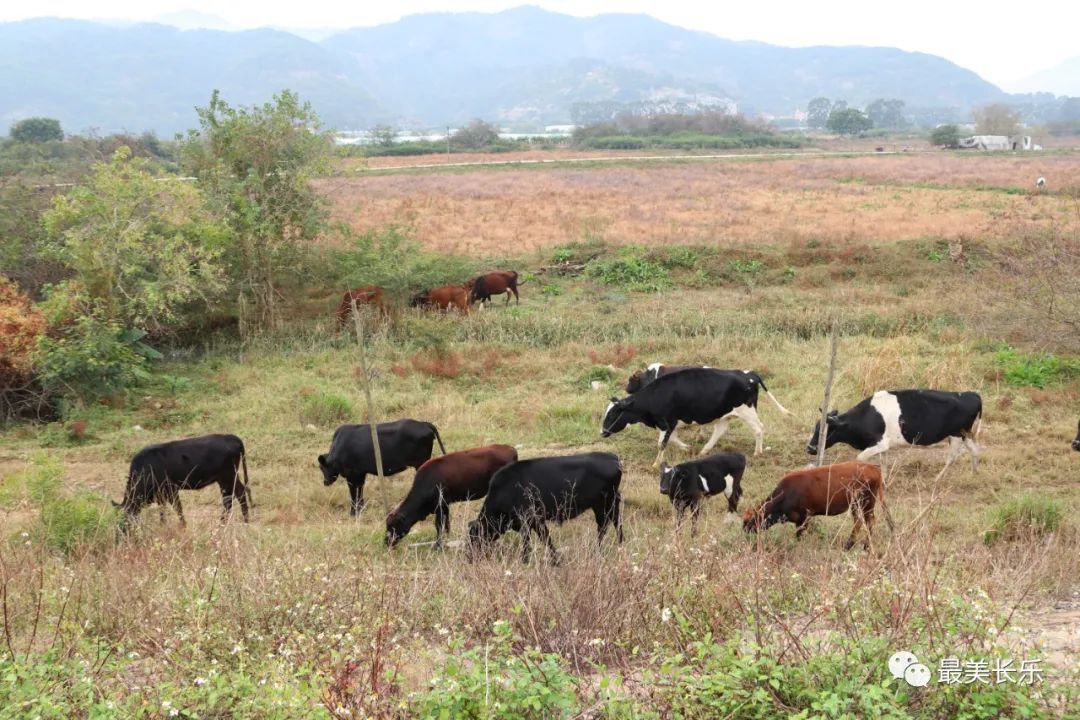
(456, 477)
(690, 482)
(1076, 442)
(825, 490)
(898, 418)
(370, 295)
(402, 443)
(525, 494)
(444, 298)
(159, 472)
(494, 283)
(641, 378)
(694, 396)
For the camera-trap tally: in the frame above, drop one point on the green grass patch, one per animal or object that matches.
(1021, 519)
(630, 269)
(1034, 370)
(326, 409)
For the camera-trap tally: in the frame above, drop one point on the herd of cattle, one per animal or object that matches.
(523, 495)
(445, 297)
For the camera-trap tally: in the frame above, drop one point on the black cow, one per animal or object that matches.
(641, 378)
(694, 396)
(525, 494)
(159, 472)
(1076, 442)
(403, 444)
(690, 482)
(899, 418)
(455, 477)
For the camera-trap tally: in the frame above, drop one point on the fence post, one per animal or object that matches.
(372, 420)
(834, 342)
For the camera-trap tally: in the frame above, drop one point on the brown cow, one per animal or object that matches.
(494, 283)
(454, 477)
(826, 490)
(369, 295)
(443, 298)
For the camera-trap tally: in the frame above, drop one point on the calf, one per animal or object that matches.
(694, 396)
(444, 298)
(825, 490)
(456, 477)
(370, 295)
(899, 418)
(494, 283)
(159, 472)
(690, 482)
(641, 378)
(403, 444)
(525, 494)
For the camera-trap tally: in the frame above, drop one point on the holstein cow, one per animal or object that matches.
(1076, 442)
(694, 396)
(526, 494)
(455, 477)
(899, 418)
(444, 298)
(641, 378)
(494, 283)
(159, 472)
(370, 295)
(825, 490)
(688, 483)
(403, 444)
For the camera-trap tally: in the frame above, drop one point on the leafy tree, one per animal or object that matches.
(383, 135)
(476, 135)
(839, 105)
(140, 248)
(886, 113)
(255, 166)
(1070, 109)
(37, 130)
(817, 112)
(996, 119)
(945, 136)
(848, 121)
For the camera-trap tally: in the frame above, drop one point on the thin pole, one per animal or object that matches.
(372, 420)
(834, 342)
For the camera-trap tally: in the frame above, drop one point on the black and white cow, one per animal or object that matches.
(641, 378)
(688, 483)
(697, 396)
(900, 418)
(524, 495)
(159, 472)
(1076, 442)
(402, 443)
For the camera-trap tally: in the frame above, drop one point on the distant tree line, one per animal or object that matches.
(712, 129)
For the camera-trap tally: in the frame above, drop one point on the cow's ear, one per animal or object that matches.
(614, 399)
(322, 460)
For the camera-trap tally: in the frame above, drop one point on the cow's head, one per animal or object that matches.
(756, 519)
(667, 478)
(419, 299)
(1076, 442)
(329, 473)
(618, 415)
(835, 427)
(397, 527)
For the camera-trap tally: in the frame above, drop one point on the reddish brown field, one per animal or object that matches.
(867, 199)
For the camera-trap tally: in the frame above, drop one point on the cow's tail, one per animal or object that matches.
(437, 437)
(885, 510)
(978, 426)
(772, 397)
(247, 483)
(517, 278)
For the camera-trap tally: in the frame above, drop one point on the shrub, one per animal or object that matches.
(1037, 370)
(947, 136)
(1023, 518)
(326, 409)
(630, 269)
(440, 363)
(65, 522)
(500, 681)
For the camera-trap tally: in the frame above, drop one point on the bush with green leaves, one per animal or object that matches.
(630, 268)
(946, 136)
(1023, 518)
(1034, 370)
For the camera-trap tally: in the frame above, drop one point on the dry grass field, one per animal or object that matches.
(304, 613)
(499, 211)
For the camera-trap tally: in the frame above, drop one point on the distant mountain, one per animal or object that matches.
(524, 65)
(1061, 79)
(194, 20)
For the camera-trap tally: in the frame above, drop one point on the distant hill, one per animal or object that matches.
(523, 65)
(1061, 79)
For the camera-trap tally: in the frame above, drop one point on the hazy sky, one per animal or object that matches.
(1003, 42)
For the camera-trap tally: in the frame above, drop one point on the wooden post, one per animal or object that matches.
(372, 420)
(834, 342)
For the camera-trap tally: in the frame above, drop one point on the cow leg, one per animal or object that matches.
(226, 500)
(748, 414)
(868, 525)
(241, 493)
(442, 522)
(802, 521)
(608, 514)
(674, 438)
(856, 525)
(356, 495)
(541, 529)
(718, 430)
(880, 447)
(517, 298)
(695, 513)
(526, 543)
(174, 499)
(663, 446)
(973, 450)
